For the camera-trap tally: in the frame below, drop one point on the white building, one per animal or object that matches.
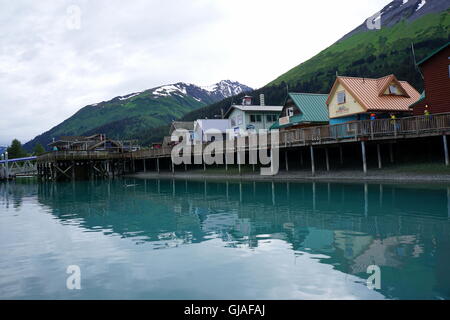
(206, 130)
(247, 117)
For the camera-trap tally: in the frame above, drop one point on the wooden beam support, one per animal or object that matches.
(327, 159)
(313, 167)
(363, 153)
(444, 139)
(380, 164)
(287, 160)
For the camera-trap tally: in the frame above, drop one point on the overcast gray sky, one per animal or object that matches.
(52, 63)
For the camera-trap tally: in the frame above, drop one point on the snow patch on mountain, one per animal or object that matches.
(400, 10)
(129, 96)
(207, 94)
(421, 5)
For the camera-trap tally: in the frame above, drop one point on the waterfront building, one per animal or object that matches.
(353, 99)
(435, 69)
(303, 110)
(247, 117)
(97, 142)
(203, 129)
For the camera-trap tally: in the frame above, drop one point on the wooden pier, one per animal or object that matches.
(84, 164)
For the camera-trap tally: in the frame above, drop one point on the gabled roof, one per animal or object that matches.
(187, 125)
(385, 82)
(217, 124)
(253, 109)
(369, 93)
(313, 108)
(433, 53)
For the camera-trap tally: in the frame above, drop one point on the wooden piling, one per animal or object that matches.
(380, 165)
(313, 167)
(444, 139)
(363, 153)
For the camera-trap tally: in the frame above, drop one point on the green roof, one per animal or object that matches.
(422, 97)
(434, 53)
(313, 108)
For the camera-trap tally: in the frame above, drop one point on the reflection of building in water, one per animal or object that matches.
(351, 243)
(317, 239)
(405, 231)
(384, 252)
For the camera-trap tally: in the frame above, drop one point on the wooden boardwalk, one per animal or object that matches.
(101, 164)
(366, 130)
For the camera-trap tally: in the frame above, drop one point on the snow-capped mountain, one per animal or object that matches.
(209, 94)
(125, 116)
(398, 10)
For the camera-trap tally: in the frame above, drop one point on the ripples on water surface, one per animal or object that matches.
(216, 240)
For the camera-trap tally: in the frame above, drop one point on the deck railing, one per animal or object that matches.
(345, 132)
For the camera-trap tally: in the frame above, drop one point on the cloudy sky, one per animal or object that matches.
(58, 56)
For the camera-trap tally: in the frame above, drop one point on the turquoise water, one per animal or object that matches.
(164, 239)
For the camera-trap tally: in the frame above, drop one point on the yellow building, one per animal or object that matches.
(353, 99)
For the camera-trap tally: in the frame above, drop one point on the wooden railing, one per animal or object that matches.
(77, 155)
(368, 129)
(345, 132)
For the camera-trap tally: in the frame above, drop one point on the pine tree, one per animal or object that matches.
(38, 149)
(16, 150)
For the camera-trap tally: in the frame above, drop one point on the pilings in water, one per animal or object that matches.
(359, 154)
(61, 170)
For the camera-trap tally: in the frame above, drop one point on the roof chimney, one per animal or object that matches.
(262, 100)
(247, 101)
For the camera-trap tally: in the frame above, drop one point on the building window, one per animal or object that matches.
(239, 120)
(341, 98)
(233, 122)
(271, 118)
(255, 118)
(290, 112)
(393, 89)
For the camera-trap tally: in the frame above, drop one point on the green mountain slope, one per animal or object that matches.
(119, 119)
(365, 53)
(375, 52)
(124, 117)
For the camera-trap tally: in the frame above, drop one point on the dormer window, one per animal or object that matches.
(290, 112)
(393, 89)
(341, 98)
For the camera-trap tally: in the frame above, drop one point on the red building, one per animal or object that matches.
(436, 71)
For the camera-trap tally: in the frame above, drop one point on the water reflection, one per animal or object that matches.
(404, 229)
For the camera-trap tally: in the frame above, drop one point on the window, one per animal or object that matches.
(271, 118)
(290, 112)
(341, 97)
(239, 120)
(233, 122)
(393, 89)
(255, 118)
